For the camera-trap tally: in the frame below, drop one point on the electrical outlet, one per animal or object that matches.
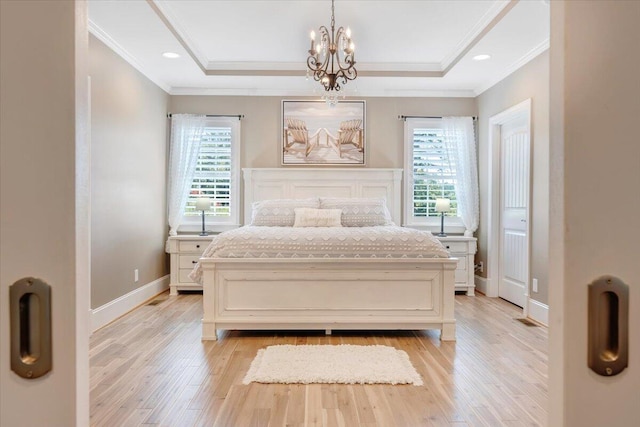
(534, 286)
(481, 264)
(135, 275)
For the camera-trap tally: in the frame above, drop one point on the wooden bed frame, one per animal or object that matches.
(327, 294)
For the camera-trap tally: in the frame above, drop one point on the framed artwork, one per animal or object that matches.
(315, 133)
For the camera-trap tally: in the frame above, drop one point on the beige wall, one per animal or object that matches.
(128, 176)
(531, 81)
(261, 124)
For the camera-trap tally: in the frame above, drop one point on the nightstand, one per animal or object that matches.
(463, 248)
(185, 250)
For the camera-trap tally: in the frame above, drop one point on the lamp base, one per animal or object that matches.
(442, 233)
(204, 232)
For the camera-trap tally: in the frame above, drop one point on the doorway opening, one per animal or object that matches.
(509, 222)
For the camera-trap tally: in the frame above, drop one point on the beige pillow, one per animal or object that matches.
(279, 212)
(309, 217)
(359, 212)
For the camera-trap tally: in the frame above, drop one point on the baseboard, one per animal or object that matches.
(538, 311)
(481, 284)
(110, 311)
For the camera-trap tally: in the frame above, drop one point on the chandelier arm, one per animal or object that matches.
(345, 61)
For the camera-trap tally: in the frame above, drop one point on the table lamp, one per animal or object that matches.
(442, 206)
(203, 204)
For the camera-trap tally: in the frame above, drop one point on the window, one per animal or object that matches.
(216, 176)
(212, 177)
(430, 174)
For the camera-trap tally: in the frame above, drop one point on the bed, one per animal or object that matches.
(278, 286)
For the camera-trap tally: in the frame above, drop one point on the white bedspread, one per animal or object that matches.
(322, 242)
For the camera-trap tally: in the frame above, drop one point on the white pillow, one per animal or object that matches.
(279, 212)
(308, 217)
(359, 212)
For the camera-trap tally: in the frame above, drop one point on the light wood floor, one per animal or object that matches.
(150, 367)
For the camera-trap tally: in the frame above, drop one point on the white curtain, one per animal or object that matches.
(460, 141)
(186, 136)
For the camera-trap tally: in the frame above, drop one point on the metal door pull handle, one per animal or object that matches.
(608, 326)
(30, 307)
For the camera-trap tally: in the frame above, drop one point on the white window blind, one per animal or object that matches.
(434, 173)
(430, 174)
(214, 172)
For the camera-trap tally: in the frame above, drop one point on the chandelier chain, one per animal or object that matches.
(333, 16)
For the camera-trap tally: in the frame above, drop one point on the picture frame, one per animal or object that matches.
(316, 133)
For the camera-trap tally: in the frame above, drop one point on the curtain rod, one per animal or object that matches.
(239, 116)
(425, 117)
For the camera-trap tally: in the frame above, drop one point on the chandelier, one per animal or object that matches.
(331, 60)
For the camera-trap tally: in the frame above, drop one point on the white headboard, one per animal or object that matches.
(298, 183)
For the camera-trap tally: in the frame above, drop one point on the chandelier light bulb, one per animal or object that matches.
(348, 32)
(313, 42)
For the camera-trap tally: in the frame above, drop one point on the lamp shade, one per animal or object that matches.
(203, 204)
(443, 205)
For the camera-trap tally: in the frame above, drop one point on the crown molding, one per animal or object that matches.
(383, 93)
(537, 50)
(422, 93)
(475, 34)
(124, 54)
(371, 69)
(166, 15)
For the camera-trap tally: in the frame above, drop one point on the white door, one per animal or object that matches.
(514, 213)
(44, 202)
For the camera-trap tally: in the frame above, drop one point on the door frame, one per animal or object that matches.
(494, 215)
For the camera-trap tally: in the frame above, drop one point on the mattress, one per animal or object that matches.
(322, 242)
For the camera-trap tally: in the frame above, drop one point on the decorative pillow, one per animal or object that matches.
(366, 212)
(308, 217)
(279, 212)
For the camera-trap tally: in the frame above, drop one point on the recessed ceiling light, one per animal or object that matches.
(171, 55)
(481, 57)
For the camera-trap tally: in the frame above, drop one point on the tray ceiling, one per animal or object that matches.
(403, 48)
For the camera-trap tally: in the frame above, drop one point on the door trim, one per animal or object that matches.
(493, 217)
(82, 214)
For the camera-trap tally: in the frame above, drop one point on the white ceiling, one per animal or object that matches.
(246, 47)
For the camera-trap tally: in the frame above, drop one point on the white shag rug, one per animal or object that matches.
(341, 364)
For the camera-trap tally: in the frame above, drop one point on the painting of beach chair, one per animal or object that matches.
(350, 133)
(316, 133)
(297, 138)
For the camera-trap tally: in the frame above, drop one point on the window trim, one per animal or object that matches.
(451, 224)
(193, 223)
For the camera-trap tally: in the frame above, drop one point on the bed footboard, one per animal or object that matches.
(328, 294)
